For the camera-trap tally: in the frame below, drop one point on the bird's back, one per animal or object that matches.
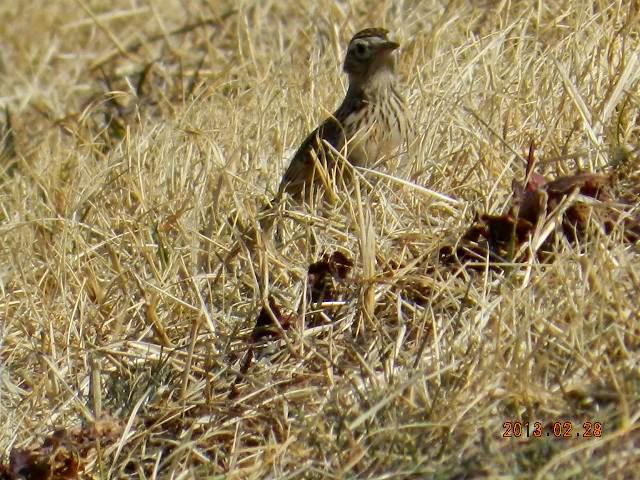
(319, 148)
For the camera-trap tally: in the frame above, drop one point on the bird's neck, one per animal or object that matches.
(372, 85)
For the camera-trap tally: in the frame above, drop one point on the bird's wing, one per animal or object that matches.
(302, 166)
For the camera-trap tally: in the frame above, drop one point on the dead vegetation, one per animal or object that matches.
(391, 334)
(541, 209)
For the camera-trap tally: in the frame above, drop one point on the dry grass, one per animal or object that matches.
(142, 131)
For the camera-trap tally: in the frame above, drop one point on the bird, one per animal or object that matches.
(370, 123)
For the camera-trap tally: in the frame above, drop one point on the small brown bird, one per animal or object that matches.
(369, 124)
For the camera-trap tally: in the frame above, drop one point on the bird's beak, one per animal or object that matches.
(388, 45)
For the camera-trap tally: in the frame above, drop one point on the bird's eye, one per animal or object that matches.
(360, 49)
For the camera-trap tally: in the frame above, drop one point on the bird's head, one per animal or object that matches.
(370, 53)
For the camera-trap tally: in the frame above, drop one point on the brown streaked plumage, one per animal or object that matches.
(369, 125)
(370, 122)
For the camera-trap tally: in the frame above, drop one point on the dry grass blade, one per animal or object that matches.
(369, 414)
(583, 110)
(412, 186)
